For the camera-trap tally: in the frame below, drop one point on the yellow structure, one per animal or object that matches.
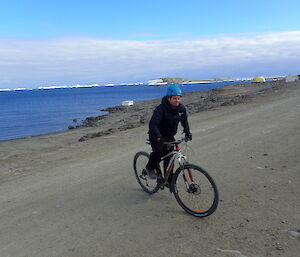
(259, 79)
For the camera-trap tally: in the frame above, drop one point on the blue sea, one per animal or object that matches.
(34, 112)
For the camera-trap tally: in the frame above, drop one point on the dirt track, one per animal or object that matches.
(61, 197)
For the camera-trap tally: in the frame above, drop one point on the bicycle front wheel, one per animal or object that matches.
(139, 165)
(195, 190)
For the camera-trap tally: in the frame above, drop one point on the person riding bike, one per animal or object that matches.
(163, 127)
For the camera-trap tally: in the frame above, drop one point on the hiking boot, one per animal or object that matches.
(152, 174)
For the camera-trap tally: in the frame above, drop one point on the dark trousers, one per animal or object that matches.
(158, 151)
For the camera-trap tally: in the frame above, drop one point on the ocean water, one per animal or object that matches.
(35, 112)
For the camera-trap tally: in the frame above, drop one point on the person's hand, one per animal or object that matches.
(188, 136)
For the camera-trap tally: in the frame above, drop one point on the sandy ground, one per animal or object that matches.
(61, 197)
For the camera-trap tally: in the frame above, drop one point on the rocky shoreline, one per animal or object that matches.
(121, 118)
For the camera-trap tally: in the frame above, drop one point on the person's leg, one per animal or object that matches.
(166, 160)
(155, 156)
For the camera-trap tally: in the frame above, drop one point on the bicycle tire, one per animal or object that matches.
(139, 165)
(201, 189)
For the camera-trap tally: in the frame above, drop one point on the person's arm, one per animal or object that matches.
(185, 125)
(154, 123)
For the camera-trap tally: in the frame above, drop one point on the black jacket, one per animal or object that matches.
(165, 120)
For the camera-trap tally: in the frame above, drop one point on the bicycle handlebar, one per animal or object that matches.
(177, 142)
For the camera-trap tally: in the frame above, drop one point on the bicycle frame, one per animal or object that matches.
(176, 155)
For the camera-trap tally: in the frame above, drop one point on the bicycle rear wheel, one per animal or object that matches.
(139, 165)
(195, 190)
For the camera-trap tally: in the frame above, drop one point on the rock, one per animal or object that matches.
(82, 139)
(293, 234)
(235, 253)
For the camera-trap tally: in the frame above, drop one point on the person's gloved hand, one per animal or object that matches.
(188, 136)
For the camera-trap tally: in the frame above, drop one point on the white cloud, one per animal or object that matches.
(85, 60)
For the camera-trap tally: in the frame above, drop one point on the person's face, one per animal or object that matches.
(175, 100)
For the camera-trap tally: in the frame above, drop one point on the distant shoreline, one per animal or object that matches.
(4, 90)
(165, 81)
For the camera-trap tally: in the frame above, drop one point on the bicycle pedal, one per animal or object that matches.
(142, 177)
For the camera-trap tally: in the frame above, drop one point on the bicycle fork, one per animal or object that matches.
(186, 181)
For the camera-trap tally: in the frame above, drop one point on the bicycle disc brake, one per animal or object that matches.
(194, 189)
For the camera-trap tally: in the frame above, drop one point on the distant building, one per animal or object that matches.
(156, 82)
(290, 78)
(127, 103)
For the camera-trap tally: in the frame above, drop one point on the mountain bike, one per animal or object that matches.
(193, 187)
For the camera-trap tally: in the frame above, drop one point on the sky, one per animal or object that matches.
(54, 43)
